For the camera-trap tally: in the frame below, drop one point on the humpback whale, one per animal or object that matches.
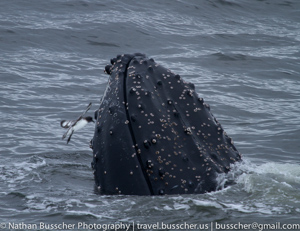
(154, 135)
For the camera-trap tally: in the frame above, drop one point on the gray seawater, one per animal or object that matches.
(243, 56)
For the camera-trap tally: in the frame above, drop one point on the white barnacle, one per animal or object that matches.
(188, 130)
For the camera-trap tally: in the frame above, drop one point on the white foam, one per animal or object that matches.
(85, 213)
(267, 188)
(166, 207)
(29, 166)
(207, 203)
(178, 206)
(271, 173)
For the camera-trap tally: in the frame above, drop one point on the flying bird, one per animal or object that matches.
(75, 125)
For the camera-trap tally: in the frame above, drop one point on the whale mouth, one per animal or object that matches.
(154, 135)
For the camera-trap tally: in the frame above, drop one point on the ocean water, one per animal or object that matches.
(244, 59)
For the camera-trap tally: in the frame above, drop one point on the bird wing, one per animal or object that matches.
(67, 132)
(70, 137)
(67, 123)
(86, 110)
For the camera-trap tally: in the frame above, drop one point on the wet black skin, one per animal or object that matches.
(154, 135)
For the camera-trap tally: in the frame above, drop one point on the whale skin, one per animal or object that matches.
(154, 135)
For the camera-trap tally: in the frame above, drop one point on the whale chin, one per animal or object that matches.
(154, 135)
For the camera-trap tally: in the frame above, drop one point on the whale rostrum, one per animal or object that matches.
(154, 135)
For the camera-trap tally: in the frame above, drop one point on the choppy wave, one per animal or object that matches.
(243, 57)
(268, 189)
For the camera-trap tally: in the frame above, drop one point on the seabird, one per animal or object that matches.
(75, 125)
